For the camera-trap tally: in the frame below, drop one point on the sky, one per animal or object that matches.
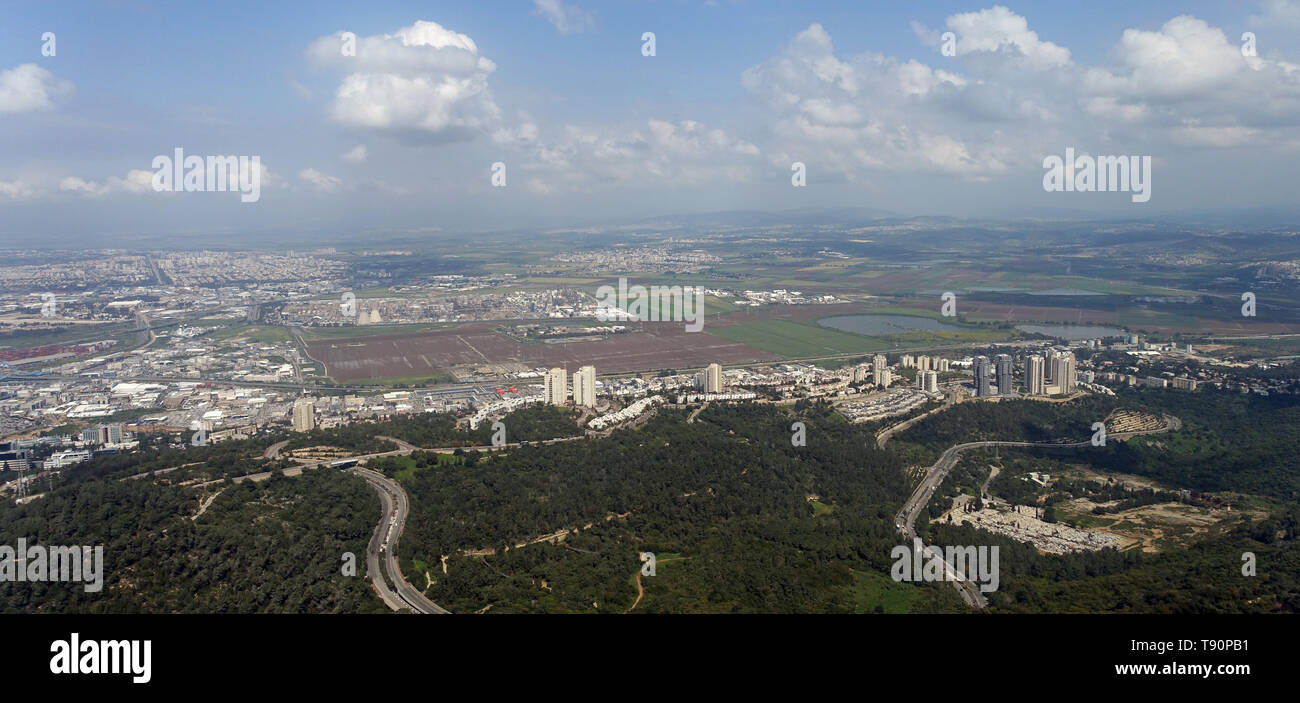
(407, 132)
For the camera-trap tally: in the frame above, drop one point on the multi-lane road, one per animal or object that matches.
(906, 519)
(381, 553)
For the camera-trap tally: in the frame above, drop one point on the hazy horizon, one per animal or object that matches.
(402, 129)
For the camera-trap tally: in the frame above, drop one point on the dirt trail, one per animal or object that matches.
(204, 507)
(640, 590)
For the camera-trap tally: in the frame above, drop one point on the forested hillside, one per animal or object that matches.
(269, 547)
(740, 519)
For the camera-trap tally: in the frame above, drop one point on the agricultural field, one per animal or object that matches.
(260, 334)
(652, 346)
(416, 353)
(352, 331)
(797, 339)
(801, 339)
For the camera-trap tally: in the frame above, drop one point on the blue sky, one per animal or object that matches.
(403, 135)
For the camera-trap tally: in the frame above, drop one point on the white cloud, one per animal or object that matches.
(356, 154)
(568, 19)
(525, 133)
(1185, 58)
(320, 180)
(656, 153)
(1190, 73)
(868, 111)
(29, 87)
(1009, 97)
(999, 30)
(423, 81)
(1109, 108)
(136, 181)
(17, 190)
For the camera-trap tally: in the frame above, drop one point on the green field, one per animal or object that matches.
(1141, 318)
(409, 469)
(667, 307)
(313, 333)
(808, 339)
(67, 335)
(794, 339)
(262, 334)
(875, 593)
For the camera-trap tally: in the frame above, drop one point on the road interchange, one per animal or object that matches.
(905, 521)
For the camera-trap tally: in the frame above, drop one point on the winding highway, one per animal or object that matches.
(381, 553)
(906, 518)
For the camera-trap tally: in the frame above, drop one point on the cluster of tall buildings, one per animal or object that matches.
(924, 363)
(880, 375)
(1053, 374)
(555, 387)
